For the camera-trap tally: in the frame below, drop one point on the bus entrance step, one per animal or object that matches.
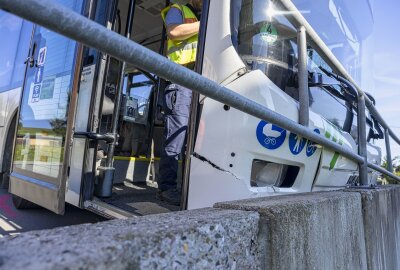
(106, 210)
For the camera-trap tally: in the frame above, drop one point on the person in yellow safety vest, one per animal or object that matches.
(182, 25)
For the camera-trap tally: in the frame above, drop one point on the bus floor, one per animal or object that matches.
(138, 199)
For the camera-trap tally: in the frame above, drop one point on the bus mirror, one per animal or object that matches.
(315, 79)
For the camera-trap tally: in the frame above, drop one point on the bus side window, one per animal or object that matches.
(330, 107)
(22, 53)
(14, 51)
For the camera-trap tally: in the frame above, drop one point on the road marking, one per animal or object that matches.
(7, 227)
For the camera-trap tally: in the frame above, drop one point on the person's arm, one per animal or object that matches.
(183, 31)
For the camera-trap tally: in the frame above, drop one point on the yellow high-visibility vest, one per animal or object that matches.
(182, 52)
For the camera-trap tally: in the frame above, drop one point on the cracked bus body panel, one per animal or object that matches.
(232, 146)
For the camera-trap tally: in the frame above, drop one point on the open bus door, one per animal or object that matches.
(66, 117)
(86, 133)
(127, 185)
(39, 168)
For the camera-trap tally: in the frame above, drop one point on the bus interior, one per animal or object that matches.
(140, 123)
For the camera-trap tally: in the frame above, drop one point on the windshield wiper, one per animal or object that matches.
(348, 85)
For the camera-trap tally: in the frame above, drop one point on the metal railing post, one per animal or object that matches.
(388, 152)
(362, 140)
(119, 94)
(303, 77)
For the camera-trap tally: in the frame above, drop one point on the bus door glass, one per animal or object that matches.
(38, 174)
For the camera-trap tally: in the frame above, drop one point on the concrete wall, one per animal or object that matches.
(309, 231)
(381, 218)
(201, 239)
(351, 229)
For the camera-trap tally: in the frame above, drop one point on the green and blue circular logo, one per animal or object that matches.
(269, 33)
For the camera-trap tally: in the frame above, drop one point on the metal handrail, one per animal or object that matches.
(62, 20)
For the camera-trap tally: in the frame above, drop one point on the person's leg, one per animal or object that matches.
(168, 166)
(176, 109)
(174, 139)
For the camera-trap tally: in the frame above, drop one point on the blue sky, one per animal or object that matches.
(385, 67)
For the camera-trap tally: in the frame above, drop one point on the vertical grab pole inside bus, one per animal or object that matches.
(158, 93)
(108, 174)
(362, 140)
(303, 77)
(388, 153)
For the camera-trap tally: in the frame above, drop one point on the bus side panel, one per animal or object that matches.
(335, 169)
(3, 130)
(229, 142)
(12, 99)
(3, 107)
(218, 49)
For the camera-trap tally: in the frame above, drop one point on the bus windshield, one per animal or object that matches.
(265, 40)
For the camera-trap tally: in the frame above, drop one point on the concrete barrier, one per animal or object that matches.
(201, 239)
(350, 229)
(381, 214)
(321, 230)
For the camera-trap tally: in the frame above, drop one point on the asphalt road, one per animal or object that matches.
(14, 221)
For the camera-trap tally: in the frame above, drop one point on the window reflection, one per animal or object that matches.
(14, 51)
(266, 41)
(346, 27)
(43, 114)
(336, 112)
(10, 26)
(331, 100)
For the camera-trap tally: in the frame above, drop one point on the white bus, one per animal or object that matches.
(14, 50)
(67, 106)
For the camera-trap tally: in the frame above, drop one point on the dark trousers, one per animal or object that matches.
(177, 101)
